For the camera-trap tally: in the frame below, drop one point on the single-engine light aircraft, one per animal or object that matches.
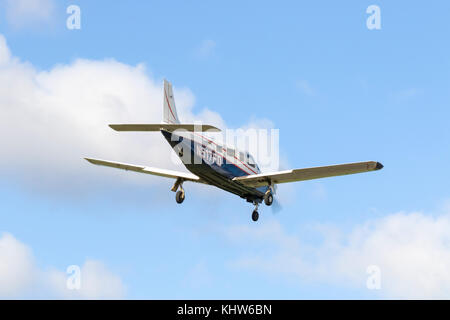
(218, 165)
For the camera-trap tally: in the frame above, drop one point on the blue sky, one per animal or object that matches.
(337, 92)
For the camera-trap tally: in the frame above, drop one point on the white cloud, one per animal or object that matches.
(16, 266)
(50, 120)
(20, 13)
(20, 276)
(97, 282)
(5, 53)
(411, 249)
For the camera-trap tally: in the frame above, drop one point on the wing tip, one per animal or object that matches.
(378, 166)
(90, 160)
(374, 166)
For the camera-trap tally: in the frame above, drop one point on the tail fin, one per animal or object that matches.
(170, 119)
(170, 111)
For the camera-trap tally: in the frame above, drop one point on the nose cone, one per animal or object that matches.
(379, 166)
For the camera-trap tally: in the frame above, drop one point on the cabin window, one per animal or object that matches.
(250, 161)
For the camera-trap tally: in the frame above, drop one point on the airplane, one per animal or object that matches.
(218, 165)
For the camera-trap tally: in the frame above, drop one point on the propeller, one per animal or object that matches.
(276, 205)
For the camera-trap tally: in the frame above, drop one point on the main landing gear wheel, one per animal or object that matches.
(255, 215)
(268, 198)
(180, 196)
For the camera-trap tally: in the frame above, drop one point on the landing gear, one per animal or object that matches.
(179, 197)
(255, 214)
(268, 198)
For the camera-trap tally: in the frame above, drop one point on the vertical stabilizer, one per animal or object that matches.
(170, 111)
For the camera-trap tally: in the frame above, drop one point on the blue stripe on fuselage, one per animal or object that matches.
(227, 170)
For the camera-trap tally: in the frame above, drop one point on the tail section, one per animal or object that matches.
(170, 119)
(170, 111)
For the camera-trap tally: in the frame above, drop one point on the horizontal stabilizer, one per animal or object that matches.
(265, 179)
(164, 126)
(149, 170)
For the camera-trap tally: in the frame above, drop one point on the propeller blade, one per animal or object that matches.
(276, 206)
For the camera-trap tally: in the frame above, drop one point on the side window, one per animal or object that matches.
(219, 149)
(241, 156)
(230, 152)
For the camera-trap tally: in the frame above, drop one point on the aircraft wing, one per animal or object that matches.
(164, 126)
(265, 179)
(149, 170)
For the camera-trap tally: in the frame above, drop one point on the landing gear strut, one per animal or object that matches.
(179, 197)
(255, 214)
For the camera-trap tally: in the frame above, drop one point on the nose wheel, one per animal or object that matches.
(255, 214)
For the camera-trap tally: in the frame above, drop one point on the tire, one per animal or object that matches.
(268, 199)
(179, 197)
(255, 216)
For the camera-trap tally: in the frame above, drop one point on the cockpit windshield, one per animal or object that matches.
(251, 162)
